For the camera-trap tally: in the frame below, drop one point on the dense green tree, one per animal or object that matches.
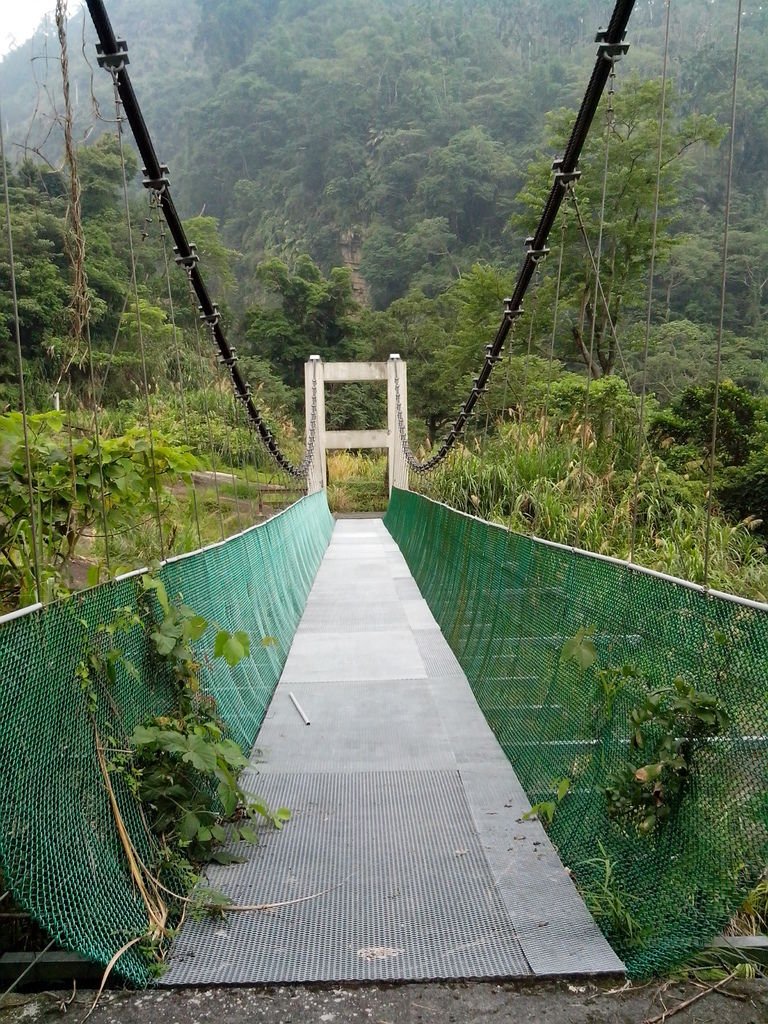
(683, 434)
(682, 354)
(41, 279)
(689, 422)
(408, 125)
(304, 314)
(418, 329)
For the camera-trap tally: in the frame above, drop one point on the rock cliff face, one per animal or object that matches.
(351, 243)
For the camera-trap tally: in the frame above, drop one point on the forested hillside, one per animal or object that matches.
(395, 137)
(360, 176)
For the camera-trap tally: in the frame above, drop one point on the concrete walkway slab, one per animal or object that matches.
(407, 856)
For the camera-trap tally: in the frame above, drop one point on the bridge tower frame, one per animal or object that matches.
(316, 375)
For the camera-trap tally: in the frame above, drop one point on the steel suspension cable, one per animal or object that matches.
(228, 431)
(723, 287)
(137, 306)
(523, 391)
(33, 518)
(81, 305)
(206, 406)
(609, 318)
(244, 459)
(507, 372)
(651, 274)
(596, 262)
(555, 320)
(116, 336)
(179, 372)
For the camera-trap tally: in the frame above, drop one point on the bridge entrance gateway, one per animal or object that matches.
(319, 440)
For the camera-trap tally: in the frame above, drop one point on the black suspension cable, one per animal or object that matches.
(139, 325)
(113, 55)
(75, 248)
(612, 46)
(649, 306)
(723, 296)
(34, 522)
(179, 371)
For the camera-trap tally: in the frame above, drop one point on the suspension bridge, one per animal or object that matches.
(424, 681)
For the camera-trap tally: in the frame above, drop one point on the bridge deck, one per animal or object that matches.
(406, 857)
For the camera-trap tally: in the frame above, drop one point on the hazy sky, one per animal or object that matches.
(20, 18)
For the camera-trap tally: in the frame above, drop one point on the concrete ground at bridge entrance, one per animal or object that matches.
(582, 1002)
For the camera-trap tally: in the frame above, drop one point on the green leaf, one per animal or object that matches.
(562, 788)
(544, 809)
(196, 626)
(228, 798)
(170, 626)
(225, 857)
(173, 741)
(131, 669)
(231, 753)
(648, 772)
(233, 647)
(151, 583)
(144, 735)
(245, 641)
(200, 754)
(189, 825)
(164, 644)
(269, 641)
(248, 834)
(581, 649)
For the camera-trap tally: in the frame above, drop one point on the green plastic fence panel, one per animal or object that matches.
(60, 853)
(507, 605)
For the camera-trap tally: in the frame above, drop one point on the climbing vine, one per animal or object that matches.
(182, 767)
(179, 765)
(668, 725)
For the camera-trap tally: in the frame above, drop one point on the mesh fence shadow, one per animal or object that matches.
(508, 605)
(60, 853)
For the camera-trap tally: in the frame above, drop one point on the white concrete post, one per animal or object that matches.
(398, 467)
(314, 375)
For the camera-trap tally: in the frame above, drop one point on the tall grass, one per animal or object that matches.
(544, 481)
(357, 482)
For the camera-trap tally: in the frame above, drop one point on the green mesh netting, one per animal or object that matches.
(507, 605)
(60, 854)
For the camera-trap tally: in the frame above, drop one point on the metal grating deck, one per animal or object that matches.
(406, 858)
